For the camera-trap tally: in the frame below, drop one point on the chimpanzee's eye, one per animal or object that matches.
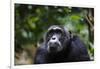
(58, 31)
(49, 35)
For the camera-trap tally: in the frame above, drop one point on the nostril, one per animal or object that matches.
(53, 38)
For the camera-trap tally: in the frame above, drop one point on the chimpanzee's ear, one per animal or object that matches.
(67, 33)
(44, 36)
(71, 35)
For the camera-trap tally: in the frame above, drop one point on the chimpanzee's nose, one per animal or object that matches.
(53, 38)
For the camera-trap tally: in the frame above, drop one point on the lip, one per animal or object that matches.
(53, 49)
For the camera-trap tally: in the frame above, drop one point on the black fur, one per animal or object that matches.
(74, 51)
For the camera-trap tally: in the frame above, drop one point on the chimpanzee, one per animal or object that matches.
(60, 45)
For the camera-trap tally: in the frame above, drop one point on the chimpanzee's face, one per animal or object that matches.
(55, 39)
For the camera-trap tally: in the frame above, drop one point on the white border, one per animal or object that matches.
(12, 35)
(45, 66)
(87, 3)
(74, 3)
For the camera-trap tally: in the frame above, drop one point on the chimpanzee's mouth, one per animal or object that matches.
(54, 47)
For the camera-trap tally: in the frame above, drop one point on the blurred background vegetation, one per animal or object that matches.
(32, 21)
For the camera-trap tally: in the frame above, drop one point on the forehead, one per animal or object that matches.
(54, 28)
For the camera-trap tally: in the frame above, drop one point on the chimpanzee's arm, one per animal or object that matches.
(40, 57)
(79, 50)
